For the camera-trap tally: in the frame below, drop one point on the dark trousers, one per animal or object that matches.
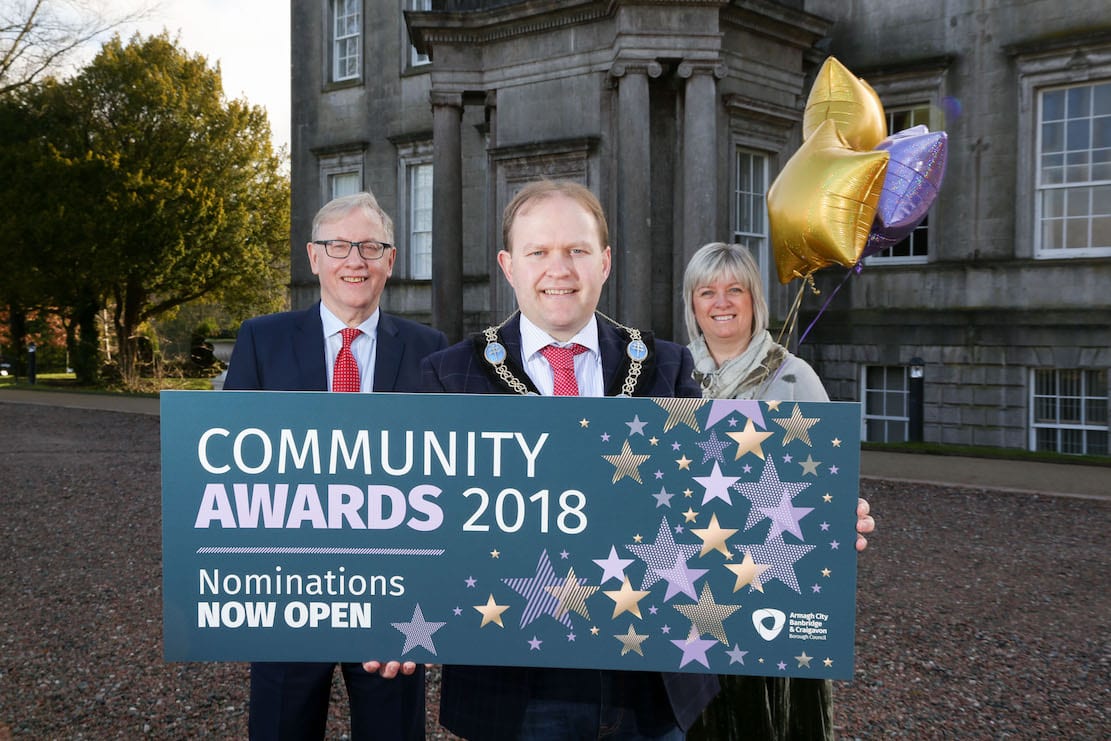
(289, 701)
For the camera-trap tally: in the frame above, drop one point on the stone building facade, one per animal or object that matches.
(679, 114)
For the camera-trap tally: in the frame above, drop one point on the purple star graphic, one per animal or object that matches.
(722, 408)
(787, 458)
(666, 630)
(661, 554)
(717, 486)
(605, 437)
(767, 492)
(713, 448)
(816, 589)
(736, 656)
(824, 526)
(653, 610)
(636, 427)
(834, 545)
(781, 666)
(781, 557)
(834, 470)
(571, 637)
(680, 578)
(663, 499)
(785, 517)
(470, 580)
(534, 644)
(612, 566)
(538, 600)
(457, 611)
(694, 649)
(675, 445)
(659, 474)
(418, 632)
(678, 529)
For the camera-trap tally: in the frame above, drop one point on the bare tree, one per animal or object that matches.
(37, 36)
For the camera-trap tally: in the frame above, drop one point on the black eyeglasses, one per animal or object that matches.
(339, 249)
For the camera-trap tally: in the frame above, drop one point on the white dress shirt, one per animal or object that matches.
(364, 347)
(588, 365)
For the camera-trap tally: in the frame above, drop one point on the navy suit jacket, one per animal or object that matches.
(479, 702)
(285, 352)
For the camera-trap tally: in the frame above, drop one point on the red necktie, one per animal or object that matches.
(345, 376)
(562, 360)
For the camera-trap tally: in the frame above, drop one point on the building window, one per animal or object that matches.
(750, 210)
(343, 184)
(1068, 411)
(416, 59)
(915, 248)
(1073, 196)
(885, 403)
(346, 39)
(420, 221)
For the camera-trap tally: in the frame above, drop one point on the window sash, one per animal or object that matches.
(1073, 171)
(1068, 411)
(750, 208)
(420, 221)
(346, 39)
(885, 391)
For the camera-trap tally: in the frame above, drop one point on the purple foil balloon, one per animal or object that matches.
(912, 182)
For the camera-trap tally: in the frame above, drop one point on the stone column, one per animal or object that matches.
(700, 158)
(632, 237)
(447, 214)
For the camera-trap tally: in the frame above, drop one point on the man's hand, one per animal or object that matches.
(864, 524)
(391, 669)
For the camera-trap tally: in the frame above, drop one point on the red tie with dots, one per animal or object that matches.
(562, 360)
(345, 376)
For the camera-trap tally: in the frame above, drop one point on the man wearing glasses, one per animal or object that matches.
(343, 343)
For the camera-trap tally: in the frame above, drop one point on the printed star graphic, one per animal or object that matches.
(773, 406)
(694, 649)
(714, 537)
(470, 582)
(457, 611)
(690, 515)
(636, 427)
(736, 656)
(594, 630)
(748, 572)
(680, 411)
(534, 644)
(767, 492)
(803, 660)
(828, 662)
(495, 553)
(722, 408)
(680, 578)
(663, 499)
(810, 466)
(653, 441)
(534, 590)
(684, 463)
(781, 558)
(626, 599)
(660, 554)
(717, 486)
(626, 464)
(836, 442)
(796, 426)
(749, 440)
(571, 595)
(708, 616)
(418, 632)
(612, 566)
(827, 498)
(826, 572)
(631, 641)
(491, 612)
(712, 448)
(785, 517)
(584, 422)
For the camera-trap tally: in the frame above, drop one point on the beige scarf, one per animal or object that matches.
(743, 377)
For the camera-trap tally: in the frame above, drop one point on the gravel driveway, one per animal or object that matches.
(981, 615)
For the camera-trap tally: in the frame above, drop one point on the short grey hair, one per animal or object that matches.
(720, 260)
(337, 208)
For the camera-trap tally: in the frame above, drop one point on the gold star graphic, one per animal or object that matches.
(773, 406)
(684, 463)
(827, 498)
(626, 599)
(690, 514)
(803, 660)
(810, 466)
(491, 612)
(593, 630)
(826, 572)
(749, 440)
(571, 595)
(796, 426)
(836, 442)
(828, 662)
(707, 616)
(631, 641)
(680, 411)
(495, 553)
(653, 441)
(714, 537)
(638, 538)
(687, 493)
(626, 464)
(584, 422)
(748, 572)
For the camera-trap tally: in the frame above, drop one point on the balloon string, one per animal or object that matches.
(848, 273)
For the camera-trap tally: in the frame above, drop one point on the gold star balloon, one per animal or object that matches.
(840, 96)
(821, 206)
